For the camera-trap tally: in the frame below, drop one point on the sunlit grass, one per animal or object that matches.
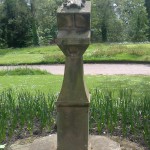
(22, 71)
(52, 83)
(118, 52)
(95, 53)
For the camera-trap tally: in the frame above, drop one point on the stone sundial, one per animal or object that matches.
(73, 38)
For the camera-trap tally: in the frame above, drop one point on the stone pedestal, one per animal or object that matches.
(73, 108)
(73, 103)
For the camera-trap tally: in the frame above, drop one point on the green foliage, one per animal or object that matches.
(102, 16)
(2, 40)
(114, 20)
(33, 22)
(135, 18)
(147, 4)
(55, 58)
(46, 18)
(24, 22)
(22, 110)
(123, 52)
(22, 71)
(116, 111)
(121, 111)
(15, 23)
(95, 53)
(52, 83)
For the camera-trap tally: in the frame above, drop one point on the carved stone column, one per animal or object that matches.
(73, 102)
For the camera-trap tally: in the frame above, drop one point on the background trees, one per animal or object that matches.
(147, 4)
(46, 18)
(134, 16)
(15, 23)
(106, 25)
(30, 22)
(116, 20)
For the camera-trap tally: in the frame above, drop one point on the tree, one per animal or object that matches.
(105, 22)
(134, 17)
(34, 26)
(147, 4)
(2, 38)
(47, 21)
(16, 23)
(102, 10)
(26, 22)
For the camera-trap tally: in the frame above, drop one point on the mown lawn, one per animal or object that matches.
(95, 53)
(52, 83)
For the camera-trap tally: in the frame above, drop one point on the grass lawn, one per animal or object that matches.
(95, 53)
(52, 83)
(120, 105)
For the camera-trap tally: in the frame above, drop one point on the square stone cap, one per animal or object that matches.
(85, 9)
(73, 37)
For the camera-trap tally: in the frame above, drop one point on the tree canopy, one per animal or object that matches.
(29, 22)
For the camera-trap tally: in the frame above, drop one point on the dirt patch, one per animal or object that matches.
(126, 144)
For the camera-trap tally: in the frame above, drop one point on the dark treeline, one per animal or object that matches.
(33, 22)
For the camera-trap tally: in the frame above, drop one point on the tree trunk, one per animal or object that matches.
(34, 28)
(104, 32)
(147, 4)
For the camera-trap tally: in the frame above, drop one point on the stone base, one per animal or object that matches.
(50, 143)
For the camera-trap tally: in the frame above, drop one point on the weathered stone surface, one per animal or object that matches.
(19, 147)
(73, 38)
(103, 143)
(46, 143)
(85, 9)
(73, 107)
(50, 143)
(73, 102)
(74, 19)
(74, 3)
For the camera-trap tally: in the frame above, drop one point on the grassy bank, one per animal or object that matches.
(95, 53)
(52, 83)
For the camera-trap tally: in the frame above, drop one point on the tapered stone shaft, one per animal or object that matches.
(73, 108)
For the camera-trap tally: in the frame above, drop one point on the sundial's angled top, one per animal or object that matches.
(74, 3)
(74, 7)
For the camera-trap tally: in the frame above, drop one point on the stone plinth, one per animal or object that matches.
(50, 143)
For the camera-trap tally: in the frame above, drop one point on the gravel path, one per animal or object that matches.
(95, 69)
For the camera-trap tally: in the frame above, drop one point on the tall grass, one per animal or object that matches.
(121, 112)
(117, 112)
(95, 53)
(118, 52)
(22, 71)
(24, 111)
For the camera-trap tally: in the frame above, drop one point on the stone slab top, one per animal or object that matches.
(86, 9)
